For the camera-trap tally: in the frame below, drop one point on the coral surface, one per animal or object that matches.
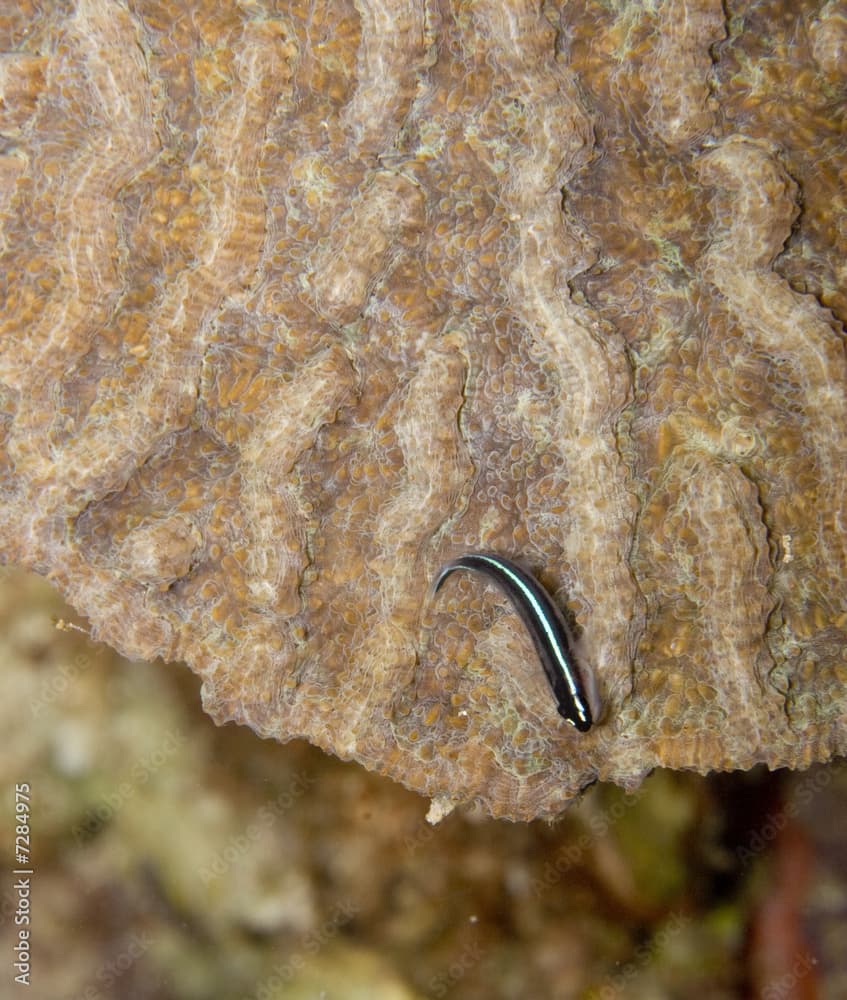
(300, 301)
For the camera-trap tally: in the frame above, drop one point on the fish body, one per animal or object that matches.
(568, 676)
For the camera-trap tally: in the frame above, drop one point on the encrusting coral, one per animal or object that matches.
(298, 305)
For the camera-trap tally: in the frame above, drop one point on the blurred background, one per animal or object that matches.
(175, 859)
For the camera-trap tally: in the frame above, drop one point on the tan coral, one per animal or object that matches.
(298, 305)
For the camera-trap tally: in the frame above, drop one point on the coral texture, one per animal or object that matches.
(299, 302)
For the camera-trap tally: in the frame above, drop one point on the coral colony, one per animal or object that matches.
(295, 309)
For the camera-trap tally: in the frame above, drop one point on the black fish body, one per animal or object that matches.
(550, 634)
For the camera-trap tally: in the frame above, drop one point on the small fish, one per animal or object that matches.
(570, 681)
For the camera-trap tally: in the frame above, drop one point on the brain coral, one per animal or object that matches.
(301, 300)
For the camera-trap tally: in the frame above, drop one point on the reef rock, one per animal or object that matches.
(299, 302)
